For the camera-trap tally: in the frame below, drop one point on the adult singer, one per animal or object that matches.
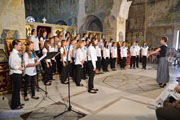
(16, 67)
(92, 58)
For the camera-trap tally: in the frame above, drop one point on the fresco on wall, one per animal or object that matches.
(163, 12)
(53, 10)
(109, 27)
(98, 5)
(154, 35)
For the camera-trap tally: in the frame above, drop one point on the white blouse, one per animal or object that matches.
(114, 52)
(92, 55)
(35, 40)
(144, 50)
(84, 49)
(106, 53)
(123, 51)
(79, 56)
(15, 62)
(45, 51)
(64, 55)
(98, 51)
(133, 50)
(31, 71)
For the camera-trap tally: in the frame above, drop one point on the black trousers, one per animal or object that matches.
(98, 63)
(38, 53)
(106, 63)
(113, 63)
(59, 63)
(30, 79)
(47, 73)
(132, 62)
(91, 76)
(168, 113)
(77, 76)
(84, 70)
(123, 62)
(71, 68)
(53, 66)
(137, 61)
(15, 101)
(144, 60)
(64, 73)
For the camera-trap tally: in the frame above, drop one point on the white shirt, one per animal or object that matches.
(45, 52)
(123, 51)
(52, 49)
(64, 55)
(15, 62)
(144, 50)
(106, 53)
(83, 39)
(35, 40)
(133, 51)
(84, 49)
(92, 55)
(138, 50)
(71, 50)
(31, 71)
(43, 39)
(79, 56)
(114, 52)
(98, 51)
(110, 45)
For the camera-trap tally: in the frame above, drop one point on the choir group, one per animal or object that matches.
(78, 58)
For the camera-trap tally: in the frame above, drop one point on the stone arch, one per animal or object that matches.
(92, 23)
(61, 22)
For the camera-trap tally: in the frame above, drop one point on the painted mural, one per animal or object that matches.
(163, 12)
(53, 10)
(98, 5)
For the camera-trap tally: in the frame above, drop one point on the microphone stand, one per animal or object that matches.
(39, 88)
(69, 108)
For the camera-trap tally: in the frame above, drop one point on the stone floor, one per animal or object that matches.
(123, 95)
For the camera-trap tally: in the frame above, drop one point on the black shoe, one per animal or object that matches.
(22, 105)
(93, 92)
(95, 89)
(35, 98)
(162, 86)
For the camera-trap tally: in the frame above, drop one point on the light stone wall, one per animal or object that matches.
(12, 20)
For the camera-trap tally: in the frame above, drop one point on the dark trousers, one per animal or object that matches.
(106, 63)
(137, 61)
(64, 73)
(30, 79)
(71, 68)
(84, 70)
(38, 53)
(113, 63)
(144, 59)
(168, 113)
(15, 101)
(77, 76)
(91, 76)
(47, 73)
(98, 63)
(132, 62)
(53, 66)
(59, 63)
(123, 62)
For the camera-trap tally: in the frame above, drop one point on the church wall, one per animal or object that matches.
(12, 20)
(53, 10)
(153, 20)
